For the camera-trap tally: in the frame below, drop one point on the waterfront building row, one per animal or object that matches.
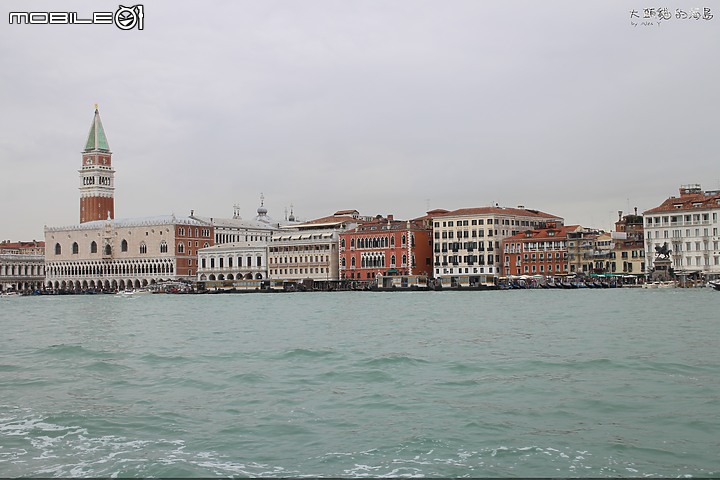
(477, 245)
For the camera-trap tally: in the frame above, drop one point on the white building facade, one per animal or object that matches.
(241, 247)
(302, 256)
(467, 242)
(309, 253)
(689, 225)
(123, 253)
(21, 272)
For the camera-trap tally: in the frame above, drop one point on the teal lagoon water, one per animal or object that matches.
(595, 383)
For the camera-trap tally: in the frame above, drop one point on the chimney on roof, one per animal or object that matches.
(390, 218)
(635, 211)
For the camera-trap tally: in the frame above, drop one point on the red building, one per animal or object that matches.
(542, 251)
(385, 246)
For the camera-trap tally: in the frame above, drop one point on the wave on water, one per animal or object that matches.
(67, 351)
(354, 375)
(71, 450)
(307, 353)
(170, 359)
(394, 359)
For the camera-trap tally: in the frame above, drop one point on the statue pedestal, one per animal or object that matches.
(661, 270)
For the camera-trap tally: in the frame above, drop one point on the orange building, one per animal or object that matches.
(385, 246)
(541, 251)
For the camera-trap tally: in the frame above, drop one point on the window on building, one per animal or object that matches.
(163, 247)
(58, 249)
(75, 248)
(143, 247)
(124, 246)
(181, 248)
(93, 247)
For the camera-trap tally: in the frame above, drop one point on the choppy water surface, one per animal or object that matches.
(532, 383)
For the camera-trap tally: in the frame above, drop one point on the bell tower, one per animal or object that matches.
(97, 177)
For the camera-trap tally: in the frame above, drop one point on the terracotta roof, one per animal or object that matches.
(21, 244)
(494, 211)
(694, 201)
(395, 224)
(330, 220)
(542, 234)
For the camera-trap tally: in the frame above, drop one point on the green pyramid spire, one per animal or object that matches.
(96, 138)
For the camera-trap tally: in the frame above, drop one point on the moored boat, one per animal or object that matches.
(669, 284)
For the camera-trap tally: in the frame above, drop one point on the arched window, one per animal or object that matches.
(93, 247)
(143, 247)
(404, 258)
(206, 245)
(181, 247)
(230, 262)
(342, 260)
(352, 243)
(163, 247)
(403, 240)
(342, 243)
(123, 246)
(212, 262)
(392, 241)
(58, 249)
(75, 248)
(108, 250)
(203, 262)
(392, 261)
(352, 262)
(259, 261)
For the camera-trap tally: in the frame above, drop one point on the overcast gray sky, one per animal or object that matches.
(385, 106)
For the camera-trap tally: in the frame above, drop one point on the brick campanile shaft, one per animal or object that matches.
(97, 177)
